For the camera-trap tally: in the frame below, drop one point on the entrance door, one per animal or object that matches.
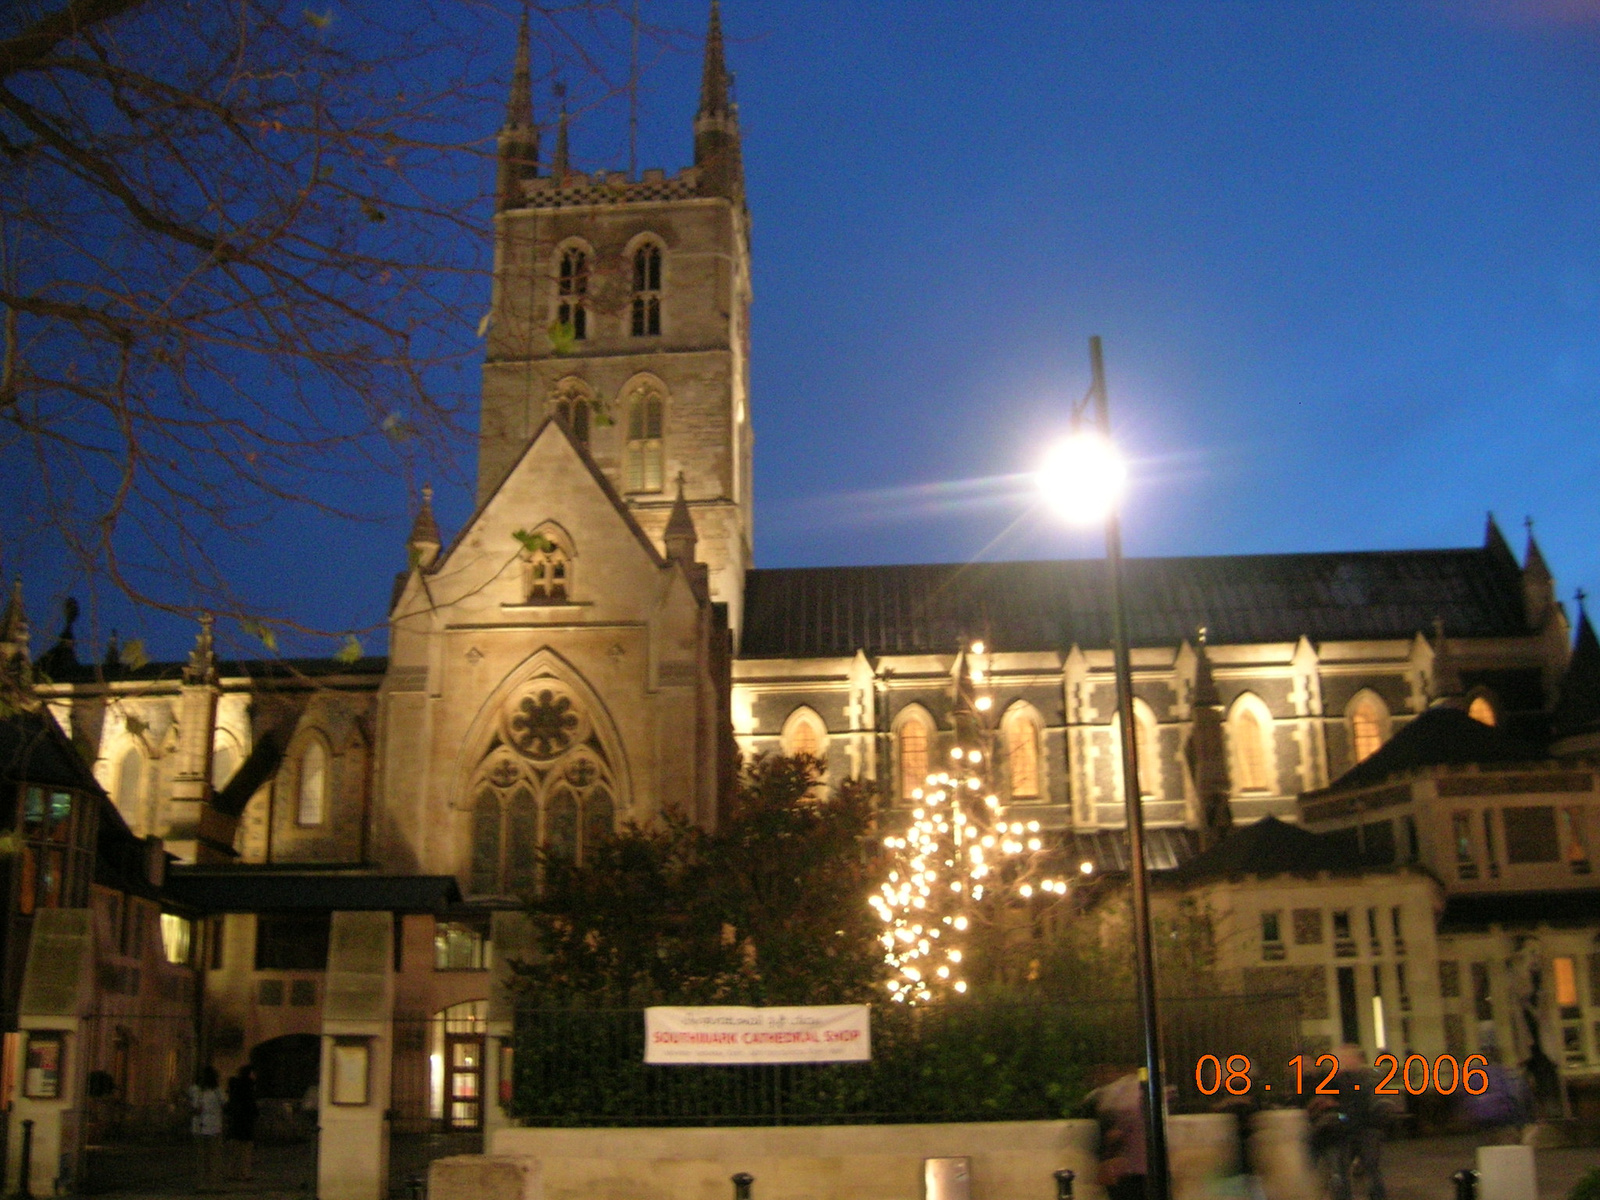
(464, 1080)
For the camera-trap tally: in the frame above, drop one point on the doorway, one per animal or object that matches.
(464, 1080)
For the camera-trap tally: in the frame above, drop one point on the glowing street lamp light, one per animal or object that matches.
(1083, 479)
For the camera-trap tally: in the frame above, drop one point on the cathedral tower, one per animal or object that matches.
(621, 306)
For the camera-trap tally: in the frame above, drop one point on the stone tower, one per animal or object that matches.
(621, 307)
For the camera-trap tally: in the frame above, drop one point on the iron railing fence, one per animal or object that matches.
(965, 1061)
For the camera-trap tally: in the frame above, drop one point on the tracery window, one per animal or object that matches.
(312, 784)
(913, 747)
(803, 733)
(642, 461)
(647, 290)
(1368, 716)
(544, 789)
(548, 574)
(572, 289)
(1022, 755)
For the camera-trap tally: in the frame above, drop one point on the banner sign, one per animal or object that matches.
(817, 1033)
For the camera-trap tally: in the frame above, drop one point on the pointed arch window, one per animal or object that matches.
(804, 734)
(130, 782)
(549, 575)
(572, 289)
(561, 828)
(573, 404)
(913, 747)
(486, 843)
(312, 785)
(646, 317)
(599, 821)
(642, 461)
(1022, 755)
(1250, 758)
(522, 843)
(1368, 719)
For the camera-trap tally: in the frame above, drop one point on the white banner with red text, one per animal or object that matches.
(813, 1034)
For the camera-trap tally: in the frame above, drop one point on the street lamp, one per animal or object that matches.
(1083, 479)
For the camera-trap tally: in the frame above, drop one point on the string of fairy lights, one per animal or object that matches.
(958, 849)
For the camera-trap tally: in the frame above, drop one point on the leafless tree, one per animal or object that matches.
(241, 245)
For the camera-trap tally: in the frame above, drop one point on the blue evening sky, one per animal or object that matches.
(1345, 258)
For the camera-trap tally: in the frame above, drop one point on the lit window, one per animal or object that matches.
(177, 936)
(1022, 753)
(313, 784)
(1366, 727)
(573, 288)
(1575, 841)
(1149, 767)
(805, 735)
(459, 946)
(643, 463)
(1481, 711)
(913, 757)
(1249, 752)
(647, 291)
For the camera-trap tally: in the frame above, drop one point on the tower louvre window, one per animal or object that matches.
(643, 462)
(647, 291)
(573, 292)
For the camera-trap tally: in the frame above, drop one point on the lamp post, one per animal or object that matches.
(1085, 476)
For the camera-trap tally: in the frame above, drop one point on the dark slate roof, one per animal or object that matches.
(812, 612)
(1441, 736)
(33, 749)
(246, 889)
(1574, 909)
(1164, 849)
(1270, 847)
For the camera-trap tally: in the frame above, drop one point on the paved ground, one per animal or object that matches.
(1416, 1169)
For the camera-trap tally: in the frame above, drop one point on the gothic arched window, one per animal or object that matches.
(486, 843)
(647, 290)
(642, 462)
(572, 289)
(599, 821)
(572, 403)
(312, 784)
(130, 782)
(913, 748)
(522, 843)
(1251, 757)
(803, 733)
(1022, 754)
(1368, 716)
(549, 573)
(561, 826)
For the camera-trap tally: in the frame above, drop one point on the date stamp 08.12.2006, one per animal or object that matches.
(1416, 1075)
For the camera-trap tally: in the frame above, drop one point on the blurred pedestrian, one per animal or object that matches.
(205, 1124)
(243, 1112)
(1362, 1119)
(1119, 1108)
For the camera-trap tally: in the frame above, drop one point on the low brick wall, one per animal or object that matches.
(1010, 1161)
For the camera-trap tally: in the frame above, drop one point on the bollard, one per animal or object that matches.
(1064, 1179)
(741, 1185)
(416, 1187)
(24, 1181)
(1466, 1181)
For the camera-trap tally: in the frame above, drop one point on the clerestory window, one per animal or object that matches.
(572, 309)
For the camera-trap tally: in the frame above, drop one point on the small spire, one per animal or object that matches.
(680, 537)
(1578, 705)
(113, 656)
(202, 665)
(63, 656)
(1533, 560)
(424, 542)
(14, 624)
(1205, 684)
(714, 75)
(519, 108)
(560, 165)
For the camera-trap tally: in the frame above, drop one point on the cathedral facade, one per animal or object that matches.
(595, 645)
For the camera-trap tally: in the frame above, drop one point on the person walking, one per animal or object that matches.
(243, 1112)
(1363, 1120)
(205, 1124)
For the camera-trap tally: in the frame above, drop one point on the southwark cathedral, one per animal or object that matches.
(1377, 769)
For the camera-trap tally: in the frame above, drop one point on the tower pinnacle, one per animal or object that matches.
(519, 137)
(716, 125)
(714, 76)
